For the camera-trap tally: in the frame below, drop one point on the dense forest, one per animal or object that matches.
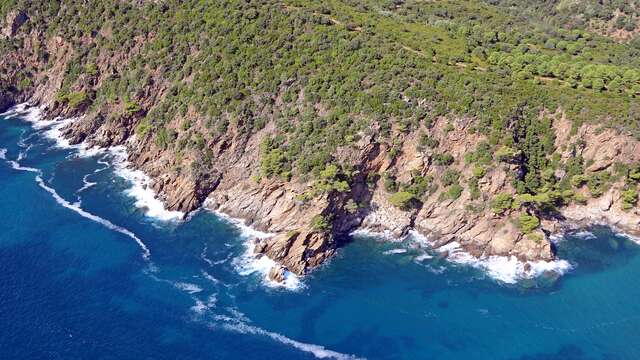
(326, 73)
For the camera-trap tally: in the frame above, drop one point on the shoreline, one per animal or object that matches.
(507, 270)
(146, 199)
(503, 269)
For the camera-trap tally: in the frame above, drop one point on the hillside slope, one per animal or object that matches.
(310, 119)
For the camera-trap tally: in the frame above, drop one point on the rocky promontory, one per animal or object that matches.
(311, 170)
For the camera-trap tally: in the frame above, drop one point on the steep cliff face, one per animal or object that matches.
(425, 180)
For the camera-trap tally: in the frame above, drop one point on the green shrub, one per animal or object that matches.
(450, 177)
(443, 159)
(320, 223)
(131, 108)
(629, 198)
(507, 154)
(403, 200)
(454, 191)
(75, 99)
(479, 172)
(528, 223)
(501, 203)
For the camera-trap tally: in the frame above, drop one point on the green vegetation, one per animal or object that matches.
(314, 77)
(501, 203)
(75, 99)
(629, 198)
(320, 223)
(528, 223)
(403, 200)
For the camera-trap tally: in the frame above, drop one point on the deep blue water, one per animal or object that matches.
(75, 285)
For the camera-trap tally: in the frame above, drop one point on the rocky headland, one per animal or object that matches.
(311, 222)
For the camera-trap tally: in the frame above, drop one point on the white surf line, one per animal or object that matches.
(3, 153)
(140, 190)
(146, 254)
(504, 269)
(203, 256)
(318, 351)
(250, 263)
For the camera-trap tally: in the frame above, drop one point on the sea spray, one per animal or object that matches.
(251, 263)
(140, 189)
(145, 197)
(504, 269)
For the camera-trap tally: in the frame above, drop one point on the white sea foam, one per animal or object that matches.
(318, 351)
(145, 251)
(3, 153)
(395, 251)
(506, 269)
(423, 257)
(188, 287)
(77, 209)
(584, 234)
(203, 256)
(210, 277)
(86, 184)
(250, 263)
(386, 235)
(246, 232)
(201, 307)
(140, 189)
(15, 165)
(630, 237)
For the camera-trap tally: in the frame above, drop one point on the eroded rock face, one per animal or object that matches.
(229, 179)
(299, 252)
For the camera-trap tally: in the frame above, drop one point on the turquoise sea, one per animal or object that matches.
(86, 273)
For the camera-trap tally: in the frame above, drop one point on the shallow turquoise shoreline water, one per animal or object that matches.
(75, 287)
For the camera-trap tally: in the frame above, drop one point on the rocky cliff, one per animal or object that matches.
(312, 218)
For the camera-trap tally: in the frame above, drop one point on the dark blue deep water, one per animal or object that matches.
(75, 284)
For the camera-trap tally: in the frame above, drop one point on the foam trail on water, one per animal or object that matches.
(632, 238)
(87, 184)
(584, 234)
(318, 351)
(140, 189)
(3, 153)
(16, 166)
(145, 251)
(395, 251)
(188, 287)
(146, 254)
(200, 306)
